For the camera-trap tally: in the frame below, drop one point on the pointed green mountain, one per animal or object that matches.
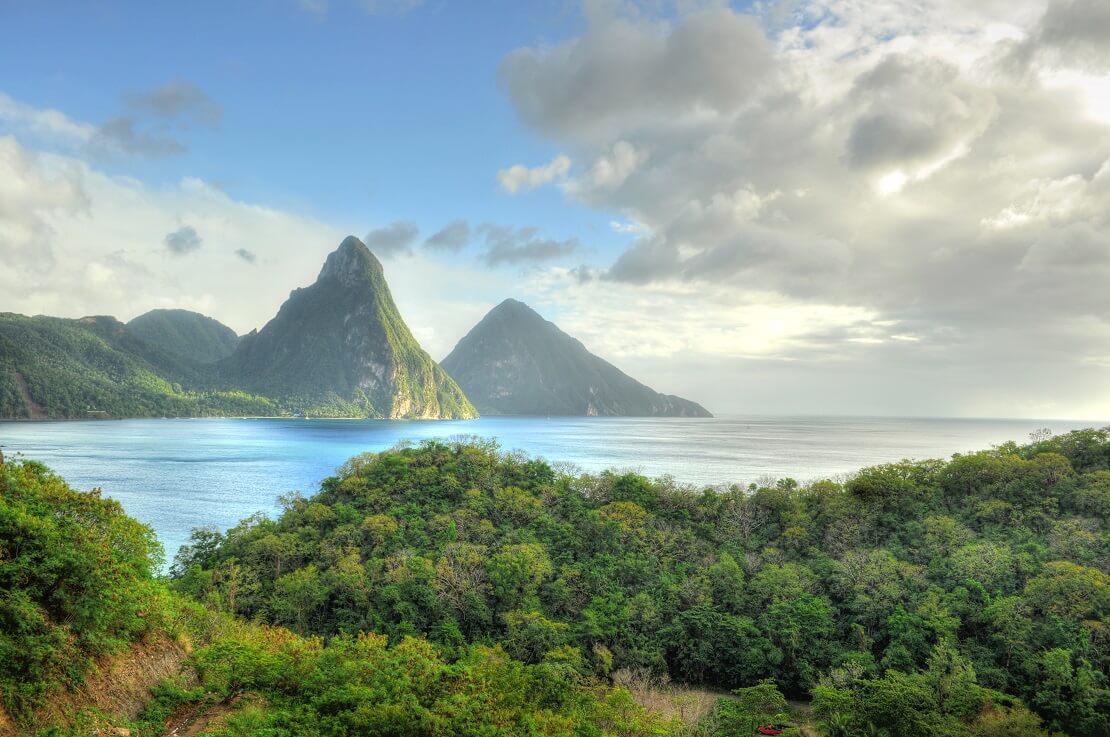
(514, 362)
(187, 334)
(340, 348)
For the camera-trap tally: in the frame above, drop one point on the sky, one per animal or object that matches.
(861, 207)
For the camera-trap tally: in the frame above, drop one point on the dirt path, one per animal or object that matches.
(34, 410)
(119, 685)
(194, 720)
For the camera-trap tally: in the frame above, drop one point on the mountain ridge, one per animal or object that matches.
(58, 368)
(186, 333)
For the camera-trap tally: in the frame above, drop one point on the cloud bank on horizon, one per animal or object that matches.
(884, 207)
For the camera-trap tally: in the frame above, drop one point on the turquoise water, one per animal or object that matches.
(179, 474)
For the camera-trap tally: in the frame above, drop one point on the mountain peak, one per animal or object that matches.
(514, 309)
(516, 362)
(340, 347)
(351, 264)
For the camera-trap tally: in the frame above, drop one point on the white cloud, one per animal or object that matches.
(511, 246)
(625, 72)
(77, 241)
(939, 166)
(51, 124)
(183, 240)
(146, 126)
(627, 226)
(452, 237)
(610, 170)
(520, 178)
(624, 321)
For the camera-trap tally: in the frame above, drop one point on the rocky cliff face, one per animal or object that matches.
(514, 362)
(340, 348)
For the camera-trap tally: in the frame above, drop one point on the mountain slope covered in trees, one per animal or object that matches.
(186, 334)
(917, 599)
(513, 362)
(52, 368)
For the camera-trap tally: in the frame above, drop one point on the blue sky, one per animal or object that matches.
(820, 206)
(353, 117)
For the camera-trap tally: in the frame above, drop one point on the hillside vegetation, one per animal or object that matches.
(53, 368)
(80, 611)
(75, 583)
(449, 589)
(919, 598)
(186, 334)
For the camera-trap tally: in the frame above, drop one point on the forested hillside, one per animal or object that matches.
(465, 592)
(52, 368)
(85, 627)
(187, 334)
(919, 598)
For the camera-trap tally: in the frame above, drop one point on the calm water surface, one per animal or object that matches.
(179, 474)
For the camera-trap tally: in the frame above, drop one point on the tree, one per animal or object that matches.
(902, 705)
(1070, 590)
(298, 596)
(531, 636)
(1015, 721)
(204, 543)
(953, 679)
(1008, 619)
(707, 645)
(1071, 694)
(762, 703)
(988, 563)
(517, 572)
(801, 628)
(726, 582)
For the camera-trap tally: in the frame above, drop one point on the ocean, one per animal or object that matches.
(179, 474)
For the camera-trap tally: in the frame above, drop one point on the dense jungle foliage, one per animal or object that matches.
(77, 587)
(76, 583)
(917, 598)
(448, 589)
